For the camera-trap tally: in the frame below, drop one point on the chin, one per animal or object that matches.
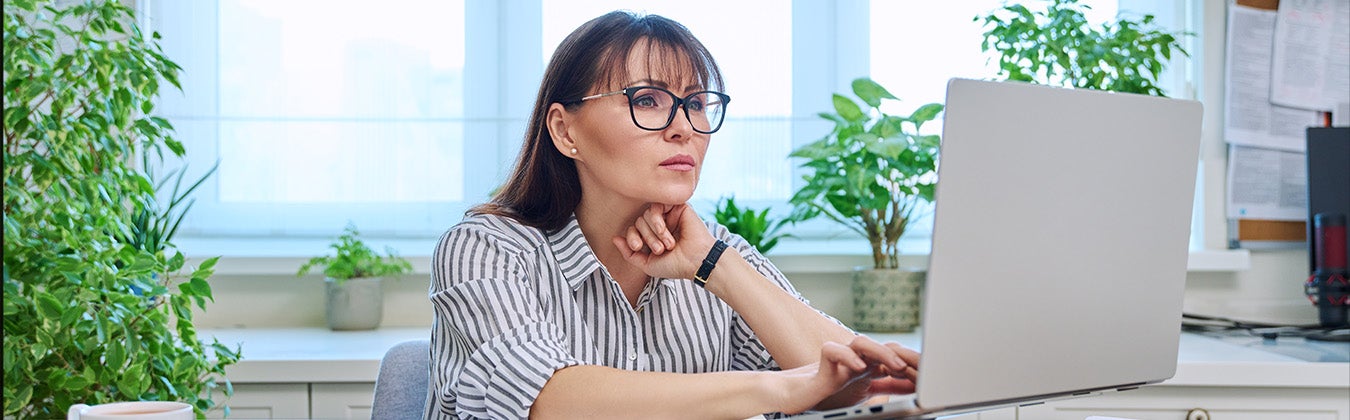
(673, 196)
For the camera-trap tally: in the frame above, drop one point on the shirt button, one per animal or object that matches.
(632, 355)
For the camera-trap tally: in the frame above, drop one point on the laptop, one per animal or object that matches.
(1059, 252)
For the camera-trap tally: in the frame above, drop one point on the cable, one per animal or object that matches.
(1212, 324)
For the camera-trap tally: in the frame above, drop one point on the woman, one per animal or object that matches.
(588, 288)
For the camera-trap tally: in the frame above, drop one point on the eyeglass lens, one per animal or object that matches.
(654, 109)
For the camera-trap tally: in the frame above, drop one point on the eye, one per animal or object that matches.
(645, 100)
(695, 104)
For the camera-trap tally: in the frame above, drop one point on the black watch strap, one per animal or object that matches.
(709, 262)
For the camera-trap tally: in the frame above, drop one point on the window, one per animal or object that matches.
(312, 107)
(400, 115)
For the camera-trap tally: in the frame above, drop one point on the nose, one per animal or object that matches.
(680, 129)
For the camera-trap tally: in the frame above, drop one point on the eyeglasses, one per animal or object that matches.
(653, 108)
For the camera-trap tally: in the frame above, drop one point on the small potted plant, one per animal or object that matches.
(352, 281)
(871, 174)
(758, 228)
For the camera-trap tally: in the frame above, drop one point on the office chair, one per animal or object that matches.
(401, 387)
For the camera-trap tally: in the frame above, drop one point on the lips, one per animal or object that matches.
(680, 162)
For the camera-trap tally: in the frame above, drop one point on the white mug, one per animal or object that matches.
(147, 410)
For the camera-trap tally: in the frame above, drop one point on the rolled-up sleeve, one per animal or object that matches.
(493, 346)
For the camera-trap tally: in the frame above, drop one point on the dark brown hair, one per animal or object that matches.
(543, 190)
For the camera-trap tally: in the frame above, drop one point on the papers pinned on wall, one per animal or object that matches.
(1267, 184)
(1311, 63)
(1250, 118)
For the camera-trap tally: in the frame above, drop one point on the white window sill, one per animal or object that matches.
(284, 256)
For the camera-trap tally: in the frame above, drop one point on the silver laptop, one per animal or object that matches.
(1059, 251)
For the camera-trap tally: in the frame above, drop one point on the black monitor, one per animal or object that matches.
(1328, 209)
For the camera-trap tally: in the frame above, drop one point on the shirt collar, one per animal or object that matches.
(575, 257)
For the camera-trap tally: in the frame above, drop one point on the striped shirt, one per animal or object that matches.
(513, 304)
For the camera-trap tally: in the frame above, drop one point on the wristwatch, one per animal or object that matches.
(701, 278)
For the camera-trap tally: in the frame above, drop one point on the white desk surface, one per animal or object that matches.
(301, 355)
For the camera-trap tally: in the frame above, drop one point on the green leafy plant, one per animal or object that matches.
(756, 226)
(872, 171)
(79, 79)
(354, 260)
(1056, 46)
(154, 226)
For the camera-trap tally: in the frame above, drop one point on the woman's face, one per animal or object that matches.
(620, 161)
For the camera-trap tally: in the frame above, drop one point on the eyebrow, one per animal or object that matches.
(663, 85)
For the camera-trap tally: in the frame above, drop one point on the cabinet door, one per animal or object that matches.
(342, 400)
(263, 401)
(1175, 402)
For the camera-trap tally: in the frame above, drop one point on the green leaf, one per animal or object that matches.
(870, 92)
(78, 382)
(201, 287)
(208, 264)
(847, 109)
(888, 147)
(847, 206)
(820, 149)
(926, 113)
(48, 307)
(19, 399)
(832, 117)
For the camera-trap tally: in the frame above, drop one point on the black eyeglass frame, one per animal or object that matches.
(680, 103)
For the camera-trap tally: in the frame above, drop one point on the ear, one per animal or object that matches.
(558, 120)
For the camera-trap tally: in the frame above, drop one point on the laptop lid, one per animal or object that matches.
(1060, 243)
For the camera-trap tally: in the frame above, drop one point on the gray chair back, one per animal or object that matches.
(401, 387)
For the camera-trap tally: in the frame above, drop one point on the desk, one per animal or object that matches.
(317, 373)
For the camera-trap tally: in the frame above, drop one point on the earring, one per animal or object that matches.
(574, 150)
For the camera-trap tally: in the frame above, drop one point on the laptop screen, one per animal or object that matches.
(1060, 242)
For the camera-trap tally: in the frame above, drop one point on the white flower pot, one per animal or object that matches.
(356, 304)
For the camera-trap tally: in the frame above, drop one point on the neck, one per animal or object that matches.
(600, 221)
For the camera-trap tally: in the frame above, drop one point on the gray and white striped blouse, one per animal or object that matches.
(513, 304)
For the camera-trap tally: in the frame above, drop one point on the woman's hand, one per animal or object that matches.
(849, 374)
(666, 241)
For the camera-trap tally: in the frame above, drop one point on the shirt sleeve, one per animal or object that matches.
(493, 348)
(750, 353)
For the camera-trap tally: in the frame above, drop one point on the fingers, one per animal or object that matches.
(656, 220)
(835, 354)
(891, 386)
(650, 229)
(881, 354)
(624, 248)
(633, 239)
(649, 235)
(910, 357)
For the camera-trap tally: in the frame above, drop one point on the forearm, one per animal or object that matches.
(588, 391)
(791, 331)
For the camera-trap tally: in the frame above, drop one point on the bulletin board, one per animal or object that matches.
(1266, 118)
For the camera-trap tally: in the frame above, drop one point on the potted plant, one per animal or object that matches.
(353, 279)
(756, 226)
(79, 84)
(1056, 46)
(871, 174)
